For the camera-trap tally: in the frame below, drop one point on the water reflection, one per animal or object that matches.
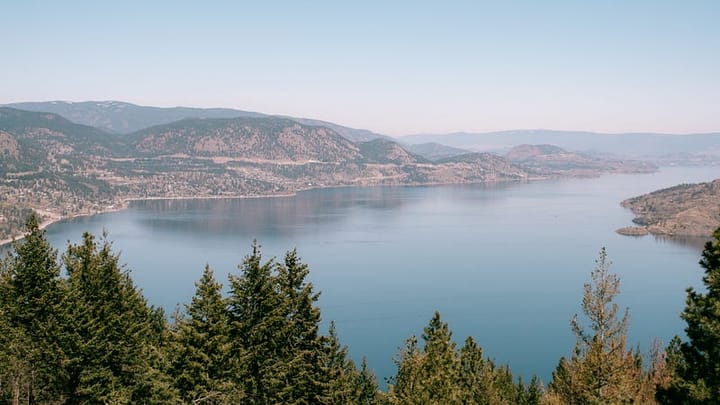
(695, 242)
(285, 216)
(288, 216)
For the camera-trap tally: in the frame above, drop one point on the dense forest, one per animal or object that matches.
(75, 329)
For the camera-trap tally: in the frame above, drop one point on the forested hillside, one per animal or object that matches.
(76, 329)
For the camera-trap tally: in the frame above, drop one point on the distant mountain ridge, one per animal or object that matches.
(434, 151)
(629, 145)
(124, 118)
(60, 168)
(551, 160)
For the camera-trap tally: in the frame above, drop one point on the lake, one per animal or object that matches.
(504, 263)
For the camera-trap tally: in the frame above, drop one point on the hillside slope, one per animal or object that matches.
(550, 160)
(266, 138)
(62, 169)
(683, 210)
(124, 118)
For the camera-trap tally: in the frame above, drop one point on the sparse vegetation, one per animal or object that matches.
(683, 210)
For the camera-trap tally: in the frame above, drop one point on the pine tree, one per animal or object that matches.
(431, 375)
(366, 383)
(256, 311)
(31, 302)
(441, 374)
(302, 349)
(476, 377)
(531, 394)
(14, 345)
(601, 369)
(408, 379)
(696, 363)
(440, 364)
(201, 368)
(110, 331)
(341, 375)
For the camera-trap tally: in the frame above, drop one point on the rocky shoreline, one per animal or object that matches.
(686, 210)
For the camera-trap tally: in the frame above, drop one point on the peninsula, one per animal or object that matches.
(683, 210)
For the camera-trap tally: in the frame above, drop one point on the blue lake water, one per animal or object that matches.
(504, 263)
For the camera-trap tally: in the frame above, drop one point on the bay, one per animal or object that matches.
(504, 263)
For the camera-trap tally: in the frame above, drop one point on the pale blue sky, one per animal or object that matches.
(395, 67)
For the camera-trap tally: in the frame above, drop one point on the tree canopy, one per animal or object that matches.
(78, 331)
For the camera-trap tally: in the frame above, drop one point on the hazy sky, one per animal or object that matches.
(395, 67)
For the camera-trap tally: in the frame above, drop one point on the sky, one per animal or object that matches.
(394, 67)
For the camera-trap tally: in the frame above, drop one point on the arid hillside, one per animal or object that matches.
(683, 210)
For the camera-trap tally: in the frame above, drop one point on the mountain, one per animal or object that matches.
(61, 169)
(266, 138)
(683, 210)
(489, 166)
(433, 150)
(385, 151)
(353, 134)
(124, 118)
(649, 146)
(51, 165)
(553, 160)
(34, 141)
(527, 153)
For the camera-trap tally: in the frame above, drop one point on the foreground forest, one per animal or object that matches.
(76, 330)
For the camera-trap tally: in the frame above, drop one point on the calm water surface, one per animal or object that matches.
(504, 263)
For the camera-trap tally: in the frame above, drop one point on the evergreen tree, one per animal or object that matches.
(696, 363)
(303, 346)
(601, 369)
(531, 394)
(111, 332)
(341, 375)
(475, 379)
(30, 314)
(366, 383)
(504, 391)
(256, 319)
(14, 345)
(201, 349)
(439, 370)
(441, 374)
(408, 379)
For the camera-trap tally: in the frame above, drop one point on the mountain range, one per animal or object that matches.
(659, 148)
(124, 118)
(61, 168)
(76, 158)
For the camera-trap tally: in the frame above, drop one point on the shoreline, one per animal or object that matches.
(54, 218)
(125, 202)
